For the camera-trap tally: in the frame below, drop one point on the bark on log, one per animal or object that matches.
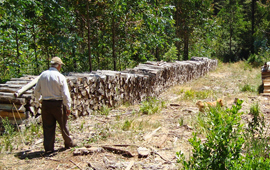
(11, 99)
(26, 87)
(12, 107)
(10, 115)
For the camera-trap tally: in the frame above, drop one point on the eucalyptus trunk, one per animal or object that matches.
(18, 52)
(186, 44)
(88, 37)
(252, 25)
(113, 43)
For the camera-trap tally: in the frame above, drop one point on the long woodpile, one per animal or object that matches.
(266, 78)
(92, 91)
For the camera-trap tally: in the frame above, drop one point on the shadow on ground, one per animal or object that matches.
(27, 154)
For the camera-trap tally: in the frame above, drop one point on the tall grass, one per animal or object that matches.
(13, 136)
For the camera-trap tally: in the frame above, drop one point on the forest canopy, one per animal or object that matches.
(118, 34)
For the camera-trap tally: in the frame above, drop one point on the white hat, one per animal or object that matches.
(57, 60)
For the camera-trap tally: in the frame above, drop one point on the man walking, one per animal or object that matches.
(56, 103)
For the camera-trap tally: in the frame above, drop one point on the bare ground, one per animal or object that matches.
(111, 141)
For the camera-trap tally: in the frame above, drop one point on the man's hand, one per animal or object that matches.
(68, 112)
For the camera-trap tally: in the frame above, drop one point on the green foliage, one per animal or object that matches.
(9, 128)
(260, 58)
(35, 129)
(8, 134)
(105, 110)
(124, 33)
(181, 121)
(151, 106)
(223, 140)
(231, 31)
(256, 142)
(102, 133)
(252, 162)
(192, 94)
(257, 124)
(126, 125)
(189, 94)
(228, 144)
(248, 88)
(171, 55)
(82, 124)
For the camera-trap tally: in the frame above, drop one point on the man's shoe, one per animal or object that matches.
(48, 152)
(72, 145)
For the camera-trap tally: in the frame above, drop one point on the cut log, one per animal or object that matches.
(26, 87)
(16, 115)
(17, 82)
(12, 99)
(266, 91)
(143, 152)
(11, 85)
(266, 80)
(12, 107)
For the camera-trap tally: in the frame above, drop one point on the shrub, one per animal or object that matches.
(126, 125)
(248, 88)
(259, 59)
(151, 106)
(224, 140)
(105, 110)
(228, 145)
(171, 55)
(8, 134)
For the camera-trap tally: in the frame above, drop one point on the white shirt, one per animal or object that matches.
(52, 85)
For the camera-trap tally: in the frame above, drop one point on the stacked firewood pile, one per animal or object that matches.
(266, 78)
(16, 109)
(92, 91)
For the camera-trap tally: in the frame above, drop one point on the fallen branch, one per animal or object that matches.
(126, 145)
(75, 164)
(118, 151)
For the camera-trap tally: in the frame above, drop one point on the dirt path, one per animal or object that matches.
(115, 138)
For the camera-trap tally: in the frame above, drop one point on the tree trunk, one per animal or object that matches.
(186, 41)
(253, 25)
(178, 32)
(48, 55)
(231, 34)
(113, 43)
(157, 56)
(89, 46)
(18, 52)
(35, 49)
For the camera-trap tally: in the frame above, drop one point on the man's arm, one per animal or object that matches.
(37, 91)
(66, 96)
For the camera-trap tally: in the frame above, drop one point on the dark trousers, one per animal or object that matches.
(52, 111)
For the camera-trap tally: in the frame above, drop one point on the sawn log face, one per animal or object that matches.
(92, 91)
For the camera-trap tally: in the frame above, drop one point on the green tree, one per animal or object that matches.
(188, 16)
(232, 26)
